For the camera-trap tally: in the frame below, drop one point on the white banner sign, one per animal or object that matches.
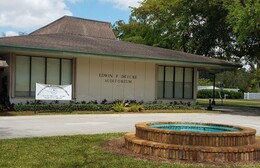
(53, 92)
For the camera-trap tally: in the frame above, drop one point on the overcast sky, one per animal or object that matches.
(28, 15)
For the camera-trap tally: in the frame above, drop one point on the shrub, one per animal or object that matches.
(169, 106)
(118, 107)
(136, 108)
(205, 94)
(91, 107)
(62, 107)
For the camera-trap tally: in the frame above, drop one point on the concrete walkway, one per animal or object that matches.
(34, 126)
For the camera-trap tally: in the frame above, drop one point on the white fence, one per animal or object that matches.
(250, 96)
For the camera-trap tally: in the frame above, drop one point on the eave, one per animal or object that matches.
(73, 53)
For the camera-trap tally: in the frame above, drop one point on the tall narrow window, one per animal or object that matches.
(37, 72)
(66, 72)
(168, 92)
(188, 83)
(160, 82)
(22, 77)
(53, 71)
(178, 82)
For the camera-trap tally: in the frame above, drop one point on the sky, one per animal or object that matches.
(25, 16)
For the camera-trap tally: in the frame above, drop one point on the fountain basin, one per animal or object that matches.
(186, 141)
(238, 136)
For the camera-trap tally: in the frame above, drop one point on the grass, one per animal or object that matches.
(26, 113)
(73, 151)
(232, 102)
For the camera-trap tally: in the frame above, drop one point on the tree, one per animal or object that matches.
(244, 17)
(204, 27)
(132, 32)
(204, 82)
(255, 81)
(236, 79)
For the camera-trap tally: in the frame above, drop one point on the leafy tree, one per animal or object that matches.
(204, 82)
(196, 27)
(132, 32)
(244, 17)
(205, 27)
(235, 79)
(255, 81)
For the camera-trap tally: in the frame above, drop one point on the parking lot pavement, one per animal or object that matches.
(234, 109)
(56, 125)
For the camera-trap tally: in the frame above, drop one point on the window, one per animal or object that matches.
(53, 71)
(66, 69)
(168, 92)
(32, 70)
(178, 83)
(160, 82)
(37, 73)
(22, 76)
(175, 82)
(188, 85)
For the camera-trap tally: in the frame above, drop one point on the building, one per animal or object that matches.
(86, 54)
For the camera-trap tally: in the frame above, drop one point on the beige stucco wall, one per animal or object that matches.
(110, 79)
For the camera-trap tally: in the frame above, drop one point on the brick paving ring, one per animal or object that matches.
(201, 142)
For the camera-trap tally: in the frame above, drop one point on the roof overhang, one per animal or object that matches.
(71, 53)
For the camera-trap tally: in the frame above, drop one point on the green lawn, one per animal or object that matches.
(232, 102)
(72, 151)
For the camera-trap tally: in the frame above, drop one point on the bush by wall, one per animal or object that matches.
(169, 106)
(204, 94)
(63, 107)
(136, 108)
(118, 107)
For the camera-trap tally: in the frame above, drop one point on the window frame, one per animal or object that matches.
(30, 95)
(174, 82)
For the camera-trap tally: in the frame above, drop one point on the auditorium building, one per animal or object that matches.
(86, 54)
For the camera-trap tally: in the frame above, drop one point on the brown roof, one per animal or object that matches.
(78, 26)
(107, 47)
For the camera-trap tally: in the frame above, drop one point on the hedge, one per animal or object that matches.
(168, 106)
(209, 94)
(63, 107)
(95, 107)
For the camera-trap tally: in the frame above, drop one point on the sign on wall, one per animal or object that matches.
(117, 78)
(53, 92)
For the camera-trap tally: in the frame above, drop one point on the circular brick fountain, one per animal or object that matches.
(237, 144)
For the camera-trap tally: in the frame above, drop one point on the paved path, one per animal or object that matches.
(31, 126)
